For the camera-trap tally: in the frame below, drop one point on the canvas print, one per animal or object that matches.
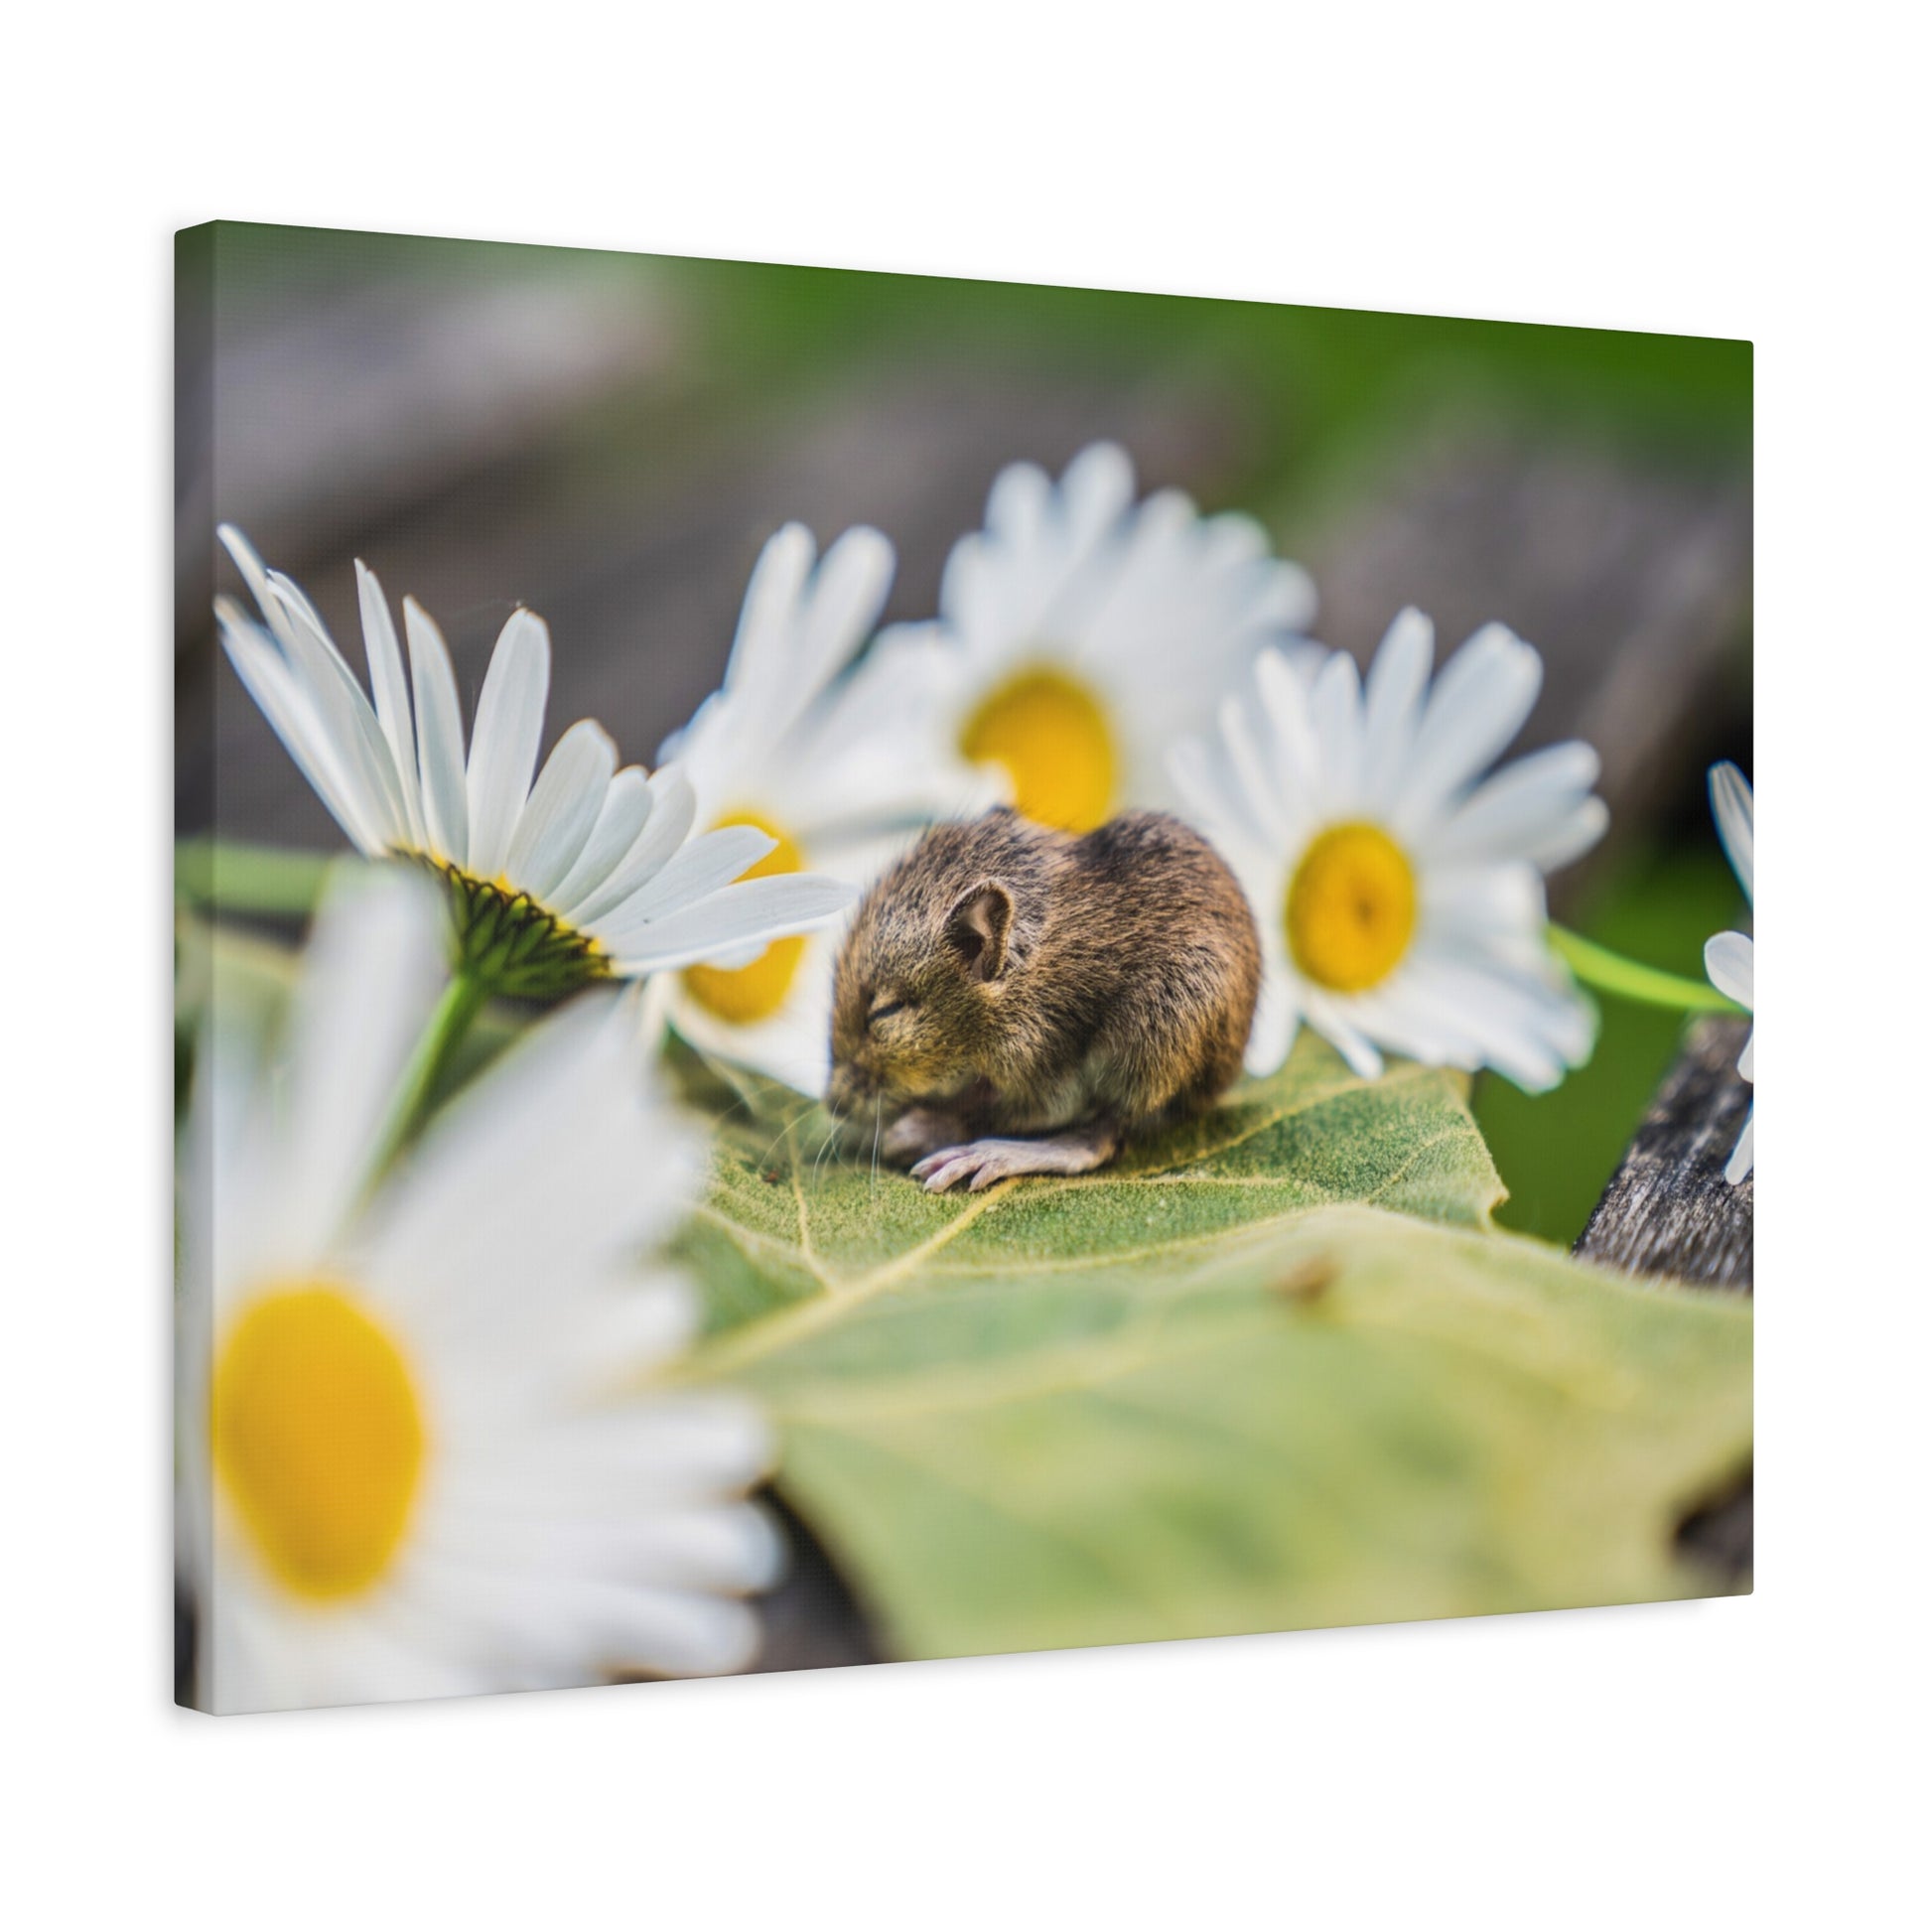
(876, 968)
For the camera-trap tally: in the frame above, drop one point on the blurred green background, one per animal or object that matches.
(608, 438)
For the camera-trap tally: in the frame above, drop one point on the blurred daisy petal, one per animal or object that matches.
(433, 1461)
(1729, 958)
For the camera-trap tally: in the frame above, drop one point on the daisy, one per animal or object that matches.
(1728, 957)
(834, 767)
(589, 873)
(1399, 892)
(1079, 632)
(417, 1455)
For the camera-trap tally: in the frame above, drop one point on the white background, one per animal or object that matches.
(1685, 168)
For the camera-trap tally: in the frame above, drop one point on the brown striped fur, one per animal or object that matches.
(1042, 981)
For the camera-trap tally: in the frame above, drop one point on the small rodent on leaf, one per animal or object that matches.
(1012, 999)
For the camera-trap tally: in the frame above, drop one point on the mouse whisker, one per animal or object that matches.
(818, 1154)
(783, 1133)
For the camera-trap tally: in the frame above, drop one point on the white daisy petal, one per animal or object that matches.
(527, 1508)
(1295, 753)
(344, 706)
(619, 819)
(1728, 960)
(684, 1443)
(487, 1201)
(1730, 957)
(710, 1549)
(220, 1159)
(1277, 1021)
(563, 808)
(728, 918)
(792, 1044)
(1332, 1019)
(1515, 810)
(375, 965)
(283, 700)
(1731, 802)
(1096, 491)
(1478, 705)
(1489, 1015)
(673, 809)
(439, 732)
(1393, 700)
(1405, 1020)
(1256, 783)
(710, 859)
(1744, 1156)
(361, 758)
(1335, 712)
(1477, 904)
(390, 686)
(778, 579)
(509, 730)
(679, 1634)
(1206, 784)
(848, 594)
(1019, 504)
(297, 628)
(1570, 836)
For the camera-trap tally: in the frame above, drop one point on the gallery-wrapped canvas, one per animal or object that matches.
(876, 968)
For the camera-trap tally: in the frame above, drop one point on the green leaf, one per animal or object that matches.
(232, 876)
(1277, 1370)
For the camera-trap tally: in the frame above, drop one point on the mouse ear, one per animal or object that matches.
(977, 930)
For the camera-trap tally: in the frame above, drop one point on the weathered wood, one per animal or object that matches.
(811, 1620)
(1719, 1534)
(1669, 1211)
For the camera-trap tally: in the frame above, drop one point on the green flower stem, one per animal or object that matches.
(463, 999)
(1627, 979)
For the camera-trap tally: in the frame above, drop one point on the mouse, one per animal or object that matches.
(1013, 1000)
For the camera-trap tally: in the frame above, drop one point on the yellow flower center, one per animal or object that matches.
(1351, 908)
(317, 1437)
(744, 994)
(1053, 739)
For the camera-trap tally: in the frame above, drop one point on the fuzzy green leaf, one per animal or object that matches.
(1275, 1371)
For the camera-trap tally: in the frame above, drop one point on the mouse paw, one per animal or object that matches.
(981, 1163)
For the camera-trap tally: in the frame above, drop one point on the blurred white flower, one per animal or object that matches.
(417, 1458)
(587, 873)
(835, 765)
(1729, 957)
(1399, 893)
(1079, 632)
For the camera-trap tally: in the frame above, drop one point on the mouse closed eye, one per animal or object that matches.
(1012, 1000)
